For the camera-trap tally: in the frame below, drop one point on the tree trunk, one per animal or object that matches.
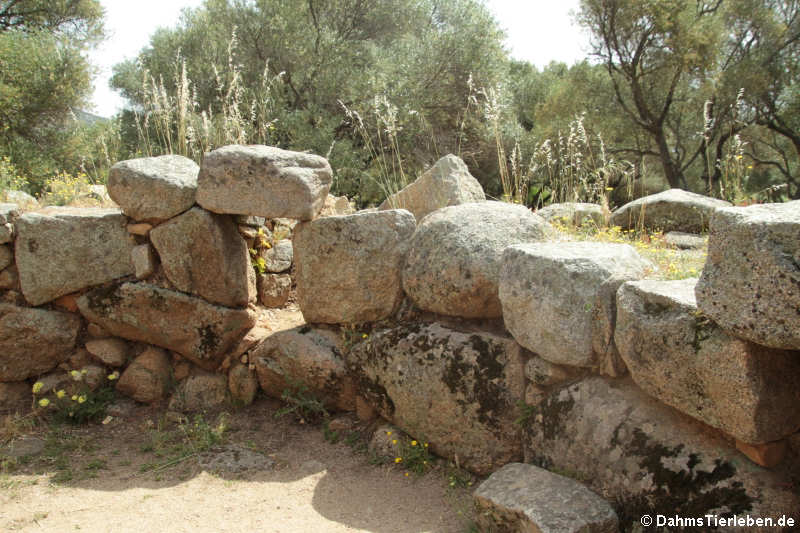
(671, 171)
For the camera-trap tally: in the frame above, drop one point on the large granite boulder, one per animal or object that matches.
(648, 458)
(263, 181)
(201, 391)
(202, 253)
(559, 299)
(348, 268)
(147, 378)
(21, 199)
(459, 391)
(750, 284)
(446, 183)
(60, 250)
(453, 265)
(573, 214)
(522, 497)
(688, 362)
(200, 331)
(154, 188)
(672, 210)
(33, 341)
(305, 360)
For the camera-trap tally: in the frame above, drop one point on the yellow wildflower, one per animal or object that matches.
(406, 474)
(114, 375)
(44, 402)
(364, 336)
(81, 398)
(388, 433)
(75, 375)
(398, 459)
(413, 443)
(74, 397)
(61, 393)
(37, 387)
(394, 441)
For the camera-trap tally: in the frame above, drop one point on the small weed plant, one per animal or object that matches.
(303, 405)
(78, 403)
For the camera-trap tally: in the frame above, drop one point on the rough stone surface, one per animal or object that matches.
(573, 214)
(336, 205)
(33, 341)
(672, 210)
(111, 352)
(21, 199)
(62, 250)
(559, 299)
(543, 373)
(768, 455)
(750, 284)
(234, 459)
(274, 289)
(202, 253)
(453, 265)
(8, 213)
(648, 457)
(685, 241)
(154, 188)
(522, 497)
(446, 183)
(144, 261)
(141, 229)
(6, 233)
(686, 361)
(263, 181)
(459, 391)
(196, 329)
(147, 378)
(9, 278)
(305, 356)
(6, 256)
(242, 384)
(14, 395)
(199, 392)
(348, 268)
(278, 258)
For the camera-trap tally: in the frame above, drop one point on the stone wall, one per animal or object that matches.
(475, 328)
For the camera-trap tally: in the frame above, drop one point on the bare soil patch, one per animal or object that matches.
(143, 472)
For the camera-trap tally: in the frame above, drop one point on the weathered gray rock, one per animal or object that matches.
(750, 284)
(648, 457)
(274, 289)
(457, 390)
(543, 373)
(33, 341)
(672, 210)
(522, 497)
(685, 241)
(309, 357)
(448, 182)
(196, 329)
(263, 181)
(278, 258)
(234, 459)
(242, 384)
(347, 268)
(8, 213)
(453, 265)
(21, 199)
(573, 214)
(6, 256)
(6, 233)
(202, 253)
(154, 188)
(147, 378)
(14, 395)
(199, 392)
(251, 221)
(60, 250)
(111, 352)
(559, 299)
(143, 258)
(336, 205)
(686, 361)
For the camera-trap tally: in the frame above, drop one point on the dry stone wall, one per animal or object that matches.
(473, 326)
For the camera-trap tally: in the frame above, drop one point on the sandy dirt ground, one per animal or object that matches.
(118, 477)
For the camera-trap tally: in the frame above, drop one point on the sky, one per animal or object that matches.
(538, 31)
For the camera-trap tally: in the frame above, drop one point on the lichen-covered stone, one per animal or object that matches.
(60, 250)
(446, 183)
(263, 181)
(147, 378)
(308, 357)
(199, 392)
(348, 268)
(200, 331)
(460, 391)
(453, 264)
(154, 188)
(522, 497)
(274, 289)
(672, 210)
(559, 299)
(749, 391)
(111, 352)
(573, 214)
(647, 457)
(750, 284)
(34, 341)
(144, 261)
(202, 253)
